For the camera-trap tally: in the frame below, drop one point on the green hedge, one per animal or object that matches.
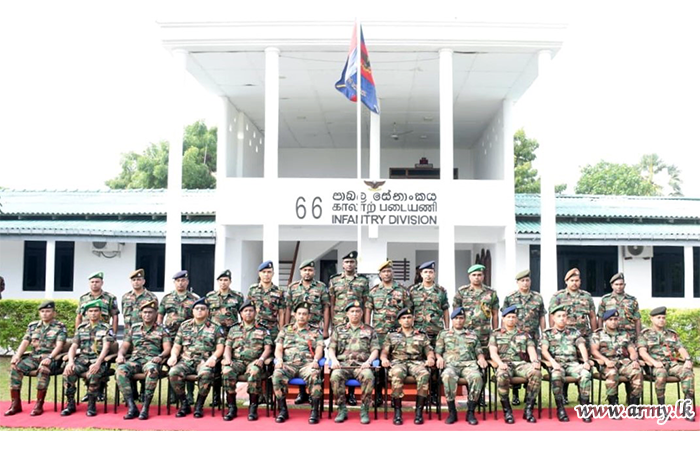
(15, 315)
(685, 322)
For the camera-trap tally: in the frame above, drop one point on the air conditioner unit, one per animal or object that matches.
(102, 246)
(638, 251)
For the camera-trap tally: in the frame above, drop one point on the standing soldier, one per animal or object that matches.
(268, 300)
(659, 347)
(530, 311)
(298, 350)
(109, 308)
(615, 351)
(315, 294)
(411, 353)
(354, 345)
(93, 338)
(247, 347)
(578, 304)
(46, 337)
(480, 304)
(559, 346)
(462, 358)
(626, 306)
(510, 348)
(199, 343)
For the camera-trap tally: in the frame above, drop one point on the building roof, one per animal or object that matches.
(613, 231)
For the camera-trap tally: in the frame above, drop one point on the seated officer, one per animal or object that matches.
(46, 337)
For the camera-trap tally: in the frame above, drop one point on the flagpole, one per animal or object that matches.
(358, 43)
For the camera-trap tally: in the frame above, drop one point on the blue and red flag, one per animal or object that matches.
(347, 85)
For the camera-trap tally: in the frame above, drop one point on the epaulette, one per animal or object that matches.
(294, 283)
(335, 275)
(560, 291)
(466, 286)
(87, 293)
(359, 275)
(672, 331)
(487, 288)
(513, 293)
(83, 324)
(254, 285)
(598, 329)
(212, 292)
(375, 288)
(34, 324)
(585, 292)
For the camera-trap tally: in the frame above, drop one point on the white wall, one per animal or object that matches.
(522, 257)
(488, 153)
(11, 267)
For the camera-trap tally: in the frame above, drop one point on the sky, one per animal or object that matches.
(83, 82)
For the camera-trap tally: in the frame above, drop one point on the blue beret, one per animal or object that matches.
(457, 312)
(246, 304)
(181, 274)
(351, 255)
(660, 311)
(476, 268)
(427, 265)
(265, 265)
(508, 310)
(610, 313)
(201, 301)
(225, 274)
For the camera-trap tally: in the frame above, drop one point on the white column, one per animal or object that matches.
(374, 146)
(224, 137)
(51, 267)
(272, 111)
(688, 271)
(446, 251)
(220, 249)
(509, 200)
(271, 247)
(173, 238)
(446, 118)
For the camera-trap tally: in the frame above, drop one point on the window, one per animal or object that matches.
(34, 277)
(151, 258)
(667, 275)
(64, 263)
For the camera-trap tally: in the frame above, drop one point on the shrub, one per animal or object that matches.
(15, 315)
(685, 322)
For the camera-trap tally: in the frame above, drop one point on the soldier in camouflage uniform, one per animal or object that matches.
(510, 349)
(298, 350)
(46, 337)
(480, 304)
(459, 355)
(269, 301)
(94, 339)
(578, 303)
(108, 302)
(354, 345)
(199, 343)
(411, 354)
(559, 346)
(625, 304)
(247, 347)
(616, 354)
(660, 348)
(150, 346)
(530, 311)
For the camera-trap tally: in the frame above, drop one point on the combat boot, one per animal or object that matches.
(253, 407)
(351, 400)
(133, 410)
(16, 405)
(342, 414)
(284, 414)
(529, 406)
(452, 409)
(199, 406)
(232, 407)
(612, 401)
(662, 408)
(144, 408)
(471, 418)
(184, 407)
(689, 418)
(398, 420)
(303, 396)
(516, 395)
(420, 403)
(70, 407)
(91, 405)
(587, 418)
(364, 414)
(39, 406)
(216, 398)
(190, 392)
(315, 408)
(561, 412)
(507, 410)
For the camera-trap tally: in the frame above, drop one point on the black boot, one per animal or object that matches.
(351, 400)
(144, 407)
(420, 403)
(398, 420)
(190, 392)
(662, 407)
(283, 414)
(70, 407)
(612, 401)
(529, 406)
(134, 390)
(184, 407)
(565, 394)
(253, 407)
(232, 407)
(516, 395)
(133, 410)
(303, 396)
(452, 408)
(216, 400)
(91, 407)
(142, 396)
(688, 418)
(315, 410)
(471, 418)
(561, 412)
(199, 406)
(587, 418)
(507, 410)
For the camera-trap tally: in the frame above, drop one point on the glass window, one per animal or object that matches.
(34, 277)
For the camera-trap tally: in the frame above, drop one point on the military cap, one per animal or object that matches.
(522, 274)
(138, 273)
(660, 311)
(200, 301)
(265, 265)
(476, 268)
(427, 265)
(246, 304)
(48, 304)
(509, 310)
(307, 263)
(149, 303)
(610, 313)
(97, 303)
(560, 307)
(99, 275)
(617, 276)
(388, 263)
(404, 312)
(355, 304)
(304, 305)
(226, 273)
(351, 255)
(181, 274)
(457, 312)
(572, 273)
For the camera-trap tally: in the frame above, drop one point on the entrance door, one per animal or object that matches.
(198, 260)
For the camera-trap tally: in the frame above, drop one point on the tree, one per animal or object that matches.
(651, 165)
(149, 169)
(526, 179)
(614, 179)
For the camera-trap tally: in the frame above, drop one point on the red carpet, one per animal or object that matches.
(298, 422)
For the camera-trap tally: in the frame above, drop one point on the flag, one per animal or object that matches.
(347, 85)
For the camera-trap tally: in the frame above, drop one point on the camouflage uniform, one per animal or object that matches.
(352, 347)
(108, 305)
(614, 345)
(175, 309)
(43, 339)
(628, 308)
(317, 297)
(663, 346)
(339, 287)
(198, 343)
(130, 306)
(223, 309)
(429, 305)
(386, 303)
(247, 345)
(563, 346)
(146, 343)
(530, 311)
(579, 306)
(299, 348)
(408, 355)
(268, 306)
(90, 341)
(512, 349)
(460, 350)
(477, 304)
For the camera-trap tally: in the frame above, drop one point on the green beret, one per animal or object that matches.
(138, 273)
(351, 255)
(99, 275)
(47, 304)
(476, 268)
(522, 274)
(660, 311)
(307, 263)
(355, 304)
(97, 303)
(225, 274)
(560, 307)
(617, 276)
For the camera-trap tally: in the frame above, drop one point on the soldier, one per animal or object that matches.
(298, 350)
(268, 300)
(199, 343)
(93, 338)
(410, 352)
(315, 293)
(108, 302)
(150, 346)
(578, 303)
(530, 311)
(480, 304)
(510, 348)
(46, 337)
(659, 347)
(462, 358)
(354, 345)
(615, 351)
(559, 346)
(247, 347)
(626, 306)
